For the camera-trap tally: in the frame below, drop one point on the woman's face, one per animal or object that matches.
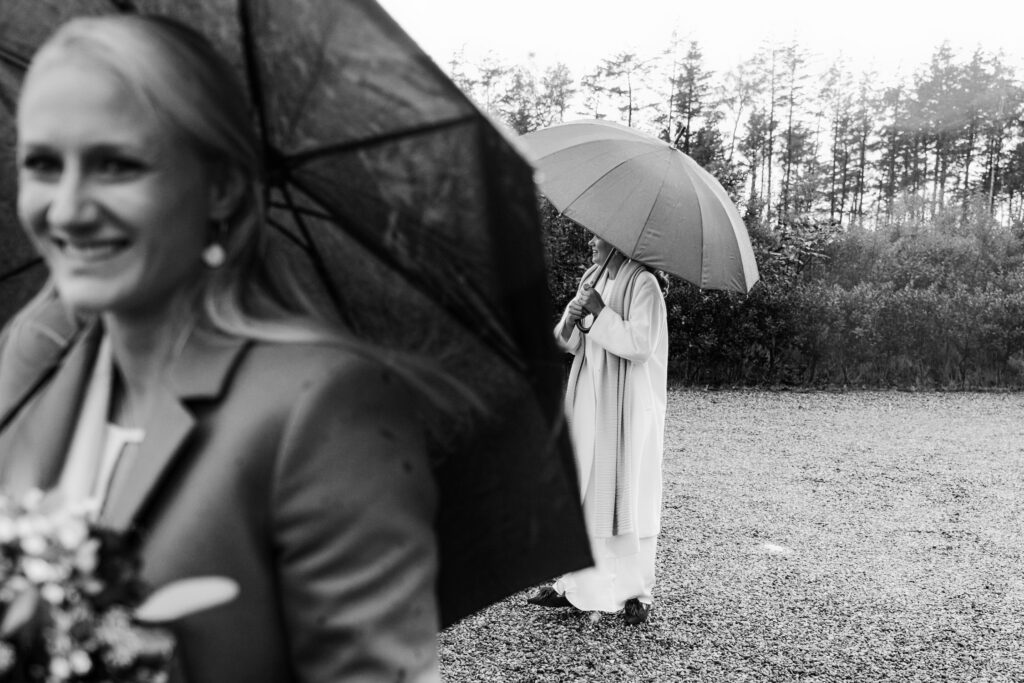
(117, 205)
(599, 249)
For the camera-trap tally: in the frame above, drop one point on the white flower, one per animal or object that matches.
(37, 570)
(53, 593)
(81, 662)
(8, 532)
(33, 544)
(7, 657)
(72, 532)
(87, 558)
(85, 509)
(33, 524)
(32, 499)
(15, 585)
(24, 525)
(60, 668)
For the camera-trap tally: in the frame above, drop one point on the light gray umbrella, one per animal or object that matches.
(649, 200)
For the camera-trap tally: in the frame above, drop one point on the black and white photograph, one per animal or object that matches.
(543, 342)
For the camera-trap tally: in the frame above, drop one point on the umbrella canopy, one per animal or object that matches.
(395, 200)
(649, 200)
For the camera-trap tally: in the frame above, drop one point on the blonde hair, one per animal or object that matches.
(187, 84)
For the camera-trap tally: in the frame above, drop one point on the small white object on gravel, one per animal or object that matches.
(775, 549)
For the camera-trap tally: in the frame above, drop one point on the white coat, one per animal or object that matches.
(642, 340)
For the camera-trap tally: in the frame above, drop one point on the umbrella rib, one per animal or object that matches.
(314, 255)
(367, 244)
(650, 211)
(603, 176)
(298, 103)
(13, 58)
(301, 157)
(700, 215)
(304, 211)
(655, 203)
(253, 77)
(20, 269)
(281, 228)
(440, 243)
(325, 216)
(499, 341)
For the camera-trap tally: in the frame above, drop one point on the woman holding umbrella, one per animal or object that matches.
(168, 374)
(615, 402)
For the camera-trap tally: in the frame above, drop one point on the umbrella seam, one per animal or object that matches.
(376, 11)
(501, 346)
(13, 58)
(314, 256)
(299, 102)
(21, 269)
(253, 78)
(301, 157)
(603, 176)
(283, 229)
(640, 233)
(703, 239)
(688, 177)
(305, 211)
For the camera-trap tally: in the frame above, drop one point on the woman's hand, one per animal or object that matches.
(575, 311)
(590, 300)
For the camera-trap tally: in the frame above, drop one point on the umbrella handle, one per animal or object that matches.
(600, 271)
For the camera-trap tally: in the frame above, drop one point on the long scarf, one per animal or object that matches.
(611, 513)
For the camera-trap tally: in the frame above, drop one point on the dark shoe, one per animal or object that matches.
(636, 612)
(548, 597)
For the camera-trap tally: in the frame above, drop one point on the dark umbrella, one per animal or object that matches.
(397, 202)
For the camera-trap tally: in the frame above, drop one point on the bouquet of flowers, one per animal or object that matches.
(72, 605)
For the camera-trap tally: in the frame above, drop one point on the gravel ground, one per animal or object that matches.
(868, 536)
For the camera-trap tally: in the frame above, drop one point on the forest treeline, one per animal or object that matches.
(887, 217)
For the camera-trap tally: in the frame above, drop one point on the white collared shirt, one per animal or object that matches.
(97, 445)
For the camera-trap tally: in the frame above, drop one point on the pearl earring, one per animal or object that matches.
(214, 255)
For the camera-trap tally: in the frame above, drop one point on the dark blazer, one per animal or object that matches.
(297, 470)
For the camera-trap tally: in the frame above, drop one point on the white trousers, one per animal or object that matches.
(624, 569)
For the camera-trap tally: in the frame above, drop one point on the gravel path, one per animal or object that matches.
(869, 536)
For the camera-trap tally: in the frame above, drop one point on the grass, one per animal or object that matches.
(868, 536)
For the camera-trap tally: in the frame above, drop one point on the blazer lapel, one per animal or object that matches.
(31, 347)
(34, 445)
(201, 371)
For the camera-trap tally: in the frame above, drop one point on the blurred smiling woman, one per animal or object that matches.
(201, 400)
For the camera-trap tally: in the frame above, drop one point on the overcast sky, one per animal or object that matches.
(892, 36)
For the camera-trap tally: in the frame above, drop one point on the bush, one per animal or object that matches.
(905, 306)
